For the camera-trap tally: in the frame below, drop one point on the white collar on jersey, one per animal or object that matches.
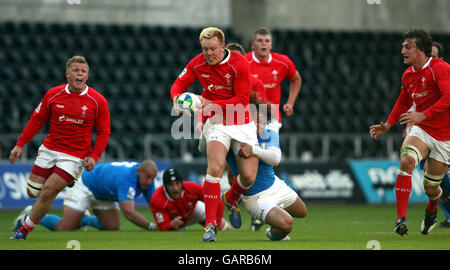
(424, 66)
(257, 60)
(82, 93)
(226, 58)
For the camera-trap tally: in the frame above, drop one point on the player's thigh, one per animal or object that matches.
(53, 185)
(248, 168)
(297, 209)
(70, 220)
(435, 167)
(108, 218)
(417, 142)
(198, 215)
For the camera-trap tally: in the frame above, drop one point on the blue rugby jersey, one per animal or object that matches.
(116, 181)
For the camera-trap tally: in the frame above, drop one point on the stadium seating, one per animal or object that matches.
(350, 81)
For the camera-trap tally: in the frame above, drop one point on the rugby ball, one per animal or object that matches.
(189, 103)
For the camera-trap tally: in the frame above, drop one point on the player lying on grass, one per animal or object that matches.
(179, 203)
(103, 190)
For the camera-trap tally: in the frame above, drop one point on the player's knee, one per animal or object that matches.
(410, 156)
(287, 224)
(34, 189)
(248, 176)
(431, 184)
(432, 192)
(215, 170)
(407, 164)
(64, 226)
(303, 212)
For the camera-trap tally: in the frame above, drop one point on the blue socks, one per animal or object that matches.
(49, 221)
(273, 236)
(90, 221)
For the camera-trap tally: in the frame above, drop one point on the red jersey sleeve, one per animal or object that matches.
(102, 127)
(37, 121)
(442, 77)
(183, 81)
(291, 67)
(403, 104)
(194, 189)
(161, 217)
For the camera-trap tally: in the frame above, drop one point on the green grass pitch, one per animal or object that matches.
(327, 227)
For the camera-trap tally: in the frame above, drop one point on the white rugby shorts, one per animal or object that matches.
(274, 125)
(279, 194)
(199, 214)
(47, 158)
(231, 135)
(439, 150)
(80, 198)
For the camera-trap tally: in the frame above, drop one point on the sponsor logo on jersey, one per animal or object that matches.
(63, 118)
(59, 106)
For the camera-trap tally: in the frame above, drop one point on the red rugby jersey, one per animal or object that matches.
(272, 72)
(429, 89)
(72, 118)
(226, 83)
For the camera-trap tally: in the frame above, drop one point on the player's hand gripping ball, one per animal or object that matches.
(189, 103)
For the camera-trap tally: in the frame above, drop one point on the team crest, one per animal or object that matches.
(423, 82)
(84, 108)
(275, 77)
(228, 76)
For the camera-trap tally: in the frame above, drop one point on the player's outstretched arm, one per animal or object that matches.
(132, 215)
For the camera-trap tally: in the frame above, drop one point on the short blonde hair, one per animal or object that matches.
(211, 32)
(76, 59)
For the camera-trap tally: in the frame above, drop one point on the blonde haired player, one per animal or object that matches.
(224, 76)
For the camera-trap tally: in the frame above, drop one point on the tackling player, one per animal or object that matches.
(272, 68)
(179, 203)
(105, 190)
(224, 76)
(269, 200)
(73, 110)
(426, 82)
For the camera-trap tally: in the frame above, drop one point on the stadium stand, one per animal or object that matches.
(350, 81)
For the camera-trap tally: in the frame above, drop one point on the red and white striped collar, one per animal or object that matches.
(258, 61)
(82, 93)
